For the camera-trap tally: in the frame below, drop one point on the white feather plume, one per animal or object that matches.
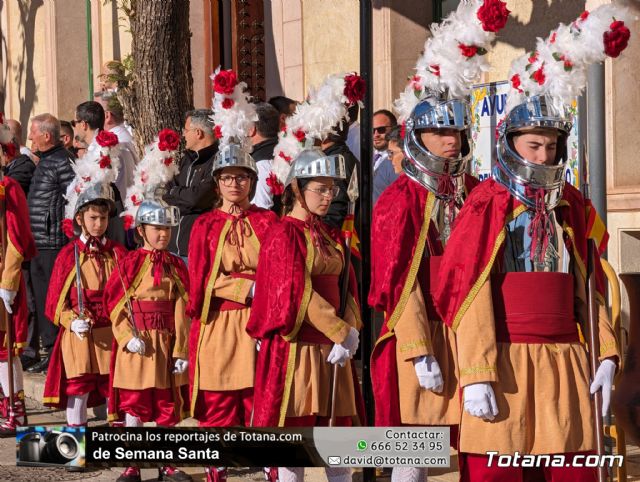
(558, 66)
(235, 121)
(443, 68)
(156, 169)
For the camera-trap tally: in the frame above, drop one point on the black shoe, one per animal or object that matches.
(28, 361)
(41, 366)
(174, 475)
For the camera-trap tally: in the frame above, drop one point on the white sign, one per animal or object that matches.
(488, 108)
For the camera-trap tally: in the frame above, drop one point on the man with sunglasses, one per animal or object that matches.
(383, 122)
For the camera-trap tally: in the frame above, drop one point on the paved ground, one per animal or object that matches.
(40, 415)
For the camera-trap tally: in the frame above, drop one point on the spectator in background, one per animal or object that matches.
(20, 167)
(114, 122)
(264, 137)
(16, 131)
(66, 136)
(193, 189)
(383, 121)
(391, 166)
(46, 203)
(285, 106)
(353, 136)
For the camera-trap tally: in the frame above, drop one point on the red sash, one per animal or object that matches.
(327, 286)
(534, 308)
(428, 277)
(93, 304)
(154, 315)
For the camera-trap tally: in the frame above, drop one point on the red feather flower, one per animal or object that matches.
(227, 103)
(300, 135)
(493, 14)
(616, 39)
(168, 140)
(354, 88)
(128, 222)
(468, 50)
(107, 139)
(105, 162)
(67, 228)
(225, 82)
(515, 82)
(539, 76)
(276, 186)
(167, 161)
(217, 131)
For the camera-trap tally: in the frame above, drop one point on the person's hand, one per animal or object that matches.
(604, 381)
(180, 366)
(80, 326)
(352, 341)
(7, 297)
(338, 355)
(480, 401)
(136, 345)
(429, 373)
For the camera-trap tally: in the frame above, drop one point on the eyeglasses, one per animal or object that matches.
(74, 122)
(326, 191)
(227, 180)
(380, 130)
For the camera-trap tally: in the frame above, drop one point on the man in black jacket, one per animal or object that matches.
(46, 211)
(21, 169)
(193, 189)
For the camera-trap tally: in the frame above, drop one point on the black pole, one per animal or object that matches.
(366, 183)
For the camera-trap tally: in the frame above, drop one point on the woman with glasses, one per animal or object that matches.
(297, 316)
(223, 256)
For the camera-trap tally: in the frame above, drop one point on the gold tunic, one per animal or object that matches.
(153, 369)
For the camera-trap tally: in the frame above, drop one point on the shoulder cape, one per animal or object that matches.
(283, 291)
(401, 232)
(478, 238)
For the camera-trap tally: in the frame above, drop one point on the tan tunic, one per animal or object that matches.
(162, 347)
(226, 353)
(310, 387)
(542, 390)
(10, 279)
(92, 352)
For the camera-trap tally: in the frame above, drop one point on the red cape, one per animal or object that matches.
(399, 238)
(19, 235)
(62, 278)
(130, 266)
(478, 240)
(283, 289)
(205, 249)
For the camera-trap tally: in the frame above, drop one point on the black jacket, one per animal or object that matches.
(21, 169)
(264, 150)
(340, 205)
(192, 191)
(46, 200)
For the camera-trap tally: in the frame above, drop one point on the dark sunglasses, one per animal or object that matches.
(380, 130)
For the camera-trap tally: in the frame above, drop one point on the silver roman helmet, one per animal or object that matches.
(155, 211)
(95, 192)
(520, 176)
(313, 162)
(423, 166)
(234, 155)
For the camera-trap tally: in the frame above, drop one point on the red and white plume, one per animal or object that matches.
(558, 66)
(233, 114)
(157, 168)
(97, 166)
(314, 119)
(455, 55)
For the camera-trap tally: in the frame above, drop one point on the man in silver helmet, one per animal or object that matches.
(517, 304)
(414, 361)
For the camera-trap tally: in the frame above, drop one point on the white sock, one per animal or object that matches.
(131, 421)
(291, 474)
(338, 474)
(18, 383)
(409, 474)
(77, 409)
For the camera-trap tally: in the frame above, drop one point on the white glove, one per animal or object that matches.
(480, 401)
(428, 372)
(136, 345)
(80, 326)
(7, 297)
(180, 366)
(252, 291)
(338, 355)
(604, 380)
(351, 342)
(258, 343)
